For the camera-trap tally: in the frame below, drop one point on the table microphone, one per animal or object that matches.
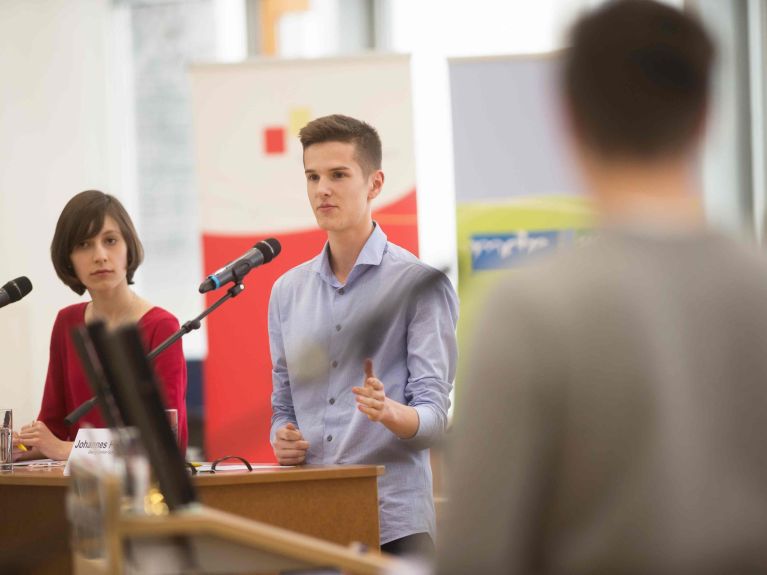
(14, 290)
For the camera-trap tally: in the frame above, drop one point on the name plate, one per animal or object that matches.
(92, 447)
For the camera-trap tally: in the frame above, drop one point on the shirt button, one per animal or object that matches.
(334, 364)
(331, 401)
(338, 327)
(341, 291)
(330, 438)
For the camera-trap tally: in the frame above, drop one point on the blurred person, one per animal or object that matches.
(615, 421)
(95, 248)
(389, 408)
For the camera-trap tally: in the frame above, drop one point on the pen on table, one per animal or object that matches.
(7, 423)
(21, 446)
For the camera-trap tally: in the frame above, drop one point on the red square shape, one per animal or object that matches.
(274, 140)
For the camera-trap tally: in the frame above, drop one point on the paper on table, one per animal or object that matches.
(39, 463)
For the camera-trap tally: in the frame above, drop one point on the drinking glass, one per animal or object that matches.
(6, 440)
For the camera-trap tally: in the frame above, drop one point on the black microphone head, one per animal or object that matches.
(18, 288)
(270, 249)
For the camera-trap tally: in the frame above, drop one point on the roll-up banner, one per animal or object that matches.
(252, 186)
(517, 195)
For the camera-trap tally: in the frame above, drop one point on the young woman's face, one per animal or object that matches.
(101, 262)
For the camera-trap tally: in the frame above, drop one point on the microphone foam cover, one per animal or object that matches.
(269, 248)
(18, 288)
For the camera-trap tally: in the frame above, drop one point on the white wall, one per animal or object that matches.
(432, 31)
(55, 140)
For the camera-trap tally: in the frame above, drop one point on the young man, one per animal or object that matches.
(624, 383)
(335, 398)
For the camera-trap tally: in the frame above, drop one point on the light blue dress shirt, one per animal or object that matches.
(320, 331)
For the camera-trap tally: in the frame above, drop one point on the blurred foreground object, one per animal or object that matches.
(614, 419)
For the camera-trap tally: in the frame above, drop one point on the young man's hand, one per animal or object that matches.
(371, 397)
(400, 419)
(289, 445)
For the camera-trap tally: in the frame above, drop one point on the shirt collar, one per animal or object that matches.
(371, 255)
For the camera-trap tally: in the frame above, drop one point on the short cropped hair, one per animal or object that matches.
(81, 219)
(636, 79)
(338, 128)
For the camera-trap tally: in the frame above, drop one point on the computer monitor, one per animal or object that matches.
(95, 373)
(134, 387)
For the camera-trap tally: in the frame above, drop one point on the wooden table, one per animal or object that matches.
(335, 503)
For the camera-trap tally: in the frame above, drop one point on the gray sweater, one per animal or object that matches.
(615, 420)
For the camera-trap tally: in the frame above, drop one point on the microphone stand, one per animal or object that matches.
(188, 326)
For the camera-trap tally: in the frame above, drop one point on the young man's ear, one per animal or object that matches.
(376, 183)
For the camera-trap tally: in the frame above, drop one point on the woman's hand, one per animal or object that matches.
(20, 454)
(37, 435)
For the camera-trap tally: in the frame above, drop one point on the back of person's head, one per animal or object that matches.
(338, 128)
(636, 80)
(81, 219)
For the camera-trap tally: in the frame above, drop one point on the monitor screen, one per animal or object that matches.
(134, 386)
(85, 346)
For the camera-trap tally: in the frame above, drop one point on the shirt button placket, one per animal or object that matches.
(334, 364)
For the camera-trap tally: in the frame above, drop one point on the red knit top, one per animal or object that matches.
(66, 386)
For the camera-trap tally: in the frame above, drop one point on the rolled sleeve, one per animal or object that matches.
(282, 399)
(432, 357)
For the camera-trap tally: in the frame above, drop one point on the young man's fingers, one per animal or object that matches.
(293, 457)
(290, 460)
(375, 383)
(368, 365)
(371, 402)
(289, 434)
(290, 453)
(287, 438)
(373, 414)
(362, 391)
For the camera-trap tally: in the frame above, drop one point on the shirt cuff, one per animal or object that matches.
(430, 427)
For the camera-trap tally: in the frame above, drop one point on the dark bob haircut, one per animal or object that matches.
(636, 79)
(81, 219)
(338, 128)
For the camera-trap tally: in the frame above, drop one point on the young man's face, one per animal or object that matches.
(338, 189)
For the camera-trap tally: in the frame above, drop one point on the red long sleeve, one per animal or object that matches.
(169, 366)
(66, 386)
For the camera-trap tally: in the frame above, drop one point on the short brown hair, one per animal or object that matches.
(636, 79)
(81, 219)
(338, 128)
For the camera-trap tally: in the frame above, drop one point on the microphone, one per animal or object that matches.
(14, 290)
(262, 253)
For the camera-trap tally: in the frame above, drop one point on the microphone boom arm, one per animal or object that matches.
(188, 326)
(194, 324)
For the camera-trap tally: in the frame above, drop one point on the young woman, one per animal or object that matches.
(95, 249)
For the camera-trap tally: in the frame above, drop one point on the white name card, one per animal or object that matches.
(92, 447)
